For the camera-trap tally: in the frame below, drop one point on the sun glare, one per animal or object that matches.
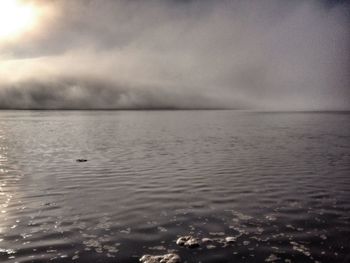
(16, 17)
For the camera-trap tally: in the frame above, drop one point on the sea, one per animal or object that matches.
(112, 186)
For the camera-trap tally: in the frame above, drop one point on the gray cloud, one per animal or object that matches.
(182, 54)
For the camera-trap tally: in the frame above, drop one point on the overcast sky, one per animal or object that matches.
(241, 54)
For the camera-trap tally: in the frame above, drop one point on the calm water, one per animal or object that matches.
(279, 182)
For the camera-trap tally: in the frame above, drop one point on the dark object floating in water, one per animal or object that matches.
(49, 204)
(81, 160)
(167, 258)
(187, 241)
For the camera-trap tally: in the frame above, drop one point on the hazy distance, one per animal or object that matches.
(269, 55)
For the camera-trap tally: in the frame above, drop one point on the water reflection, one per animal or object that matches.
(276, 185)
(7, 190)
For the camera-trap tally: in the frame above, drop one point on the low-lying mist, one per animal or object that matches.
(271, 55)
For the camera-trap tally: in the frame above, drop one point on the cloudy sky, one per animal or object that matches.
(136, 54)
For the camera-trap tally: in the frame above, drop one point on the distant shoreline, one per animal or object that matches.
(187, 109)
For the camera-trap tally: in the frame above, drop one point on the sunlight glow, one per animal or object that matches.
(16, 17)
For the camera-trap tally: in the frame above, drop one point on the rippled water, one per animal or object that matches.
(279, 182)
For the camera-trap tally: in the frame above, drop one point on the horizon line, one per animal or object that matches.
(180, 109)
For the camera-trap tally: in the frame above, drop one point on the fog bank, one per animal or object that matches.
(271, 55)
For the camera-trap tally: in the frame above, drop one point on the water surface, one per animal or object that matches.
(279, 182)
